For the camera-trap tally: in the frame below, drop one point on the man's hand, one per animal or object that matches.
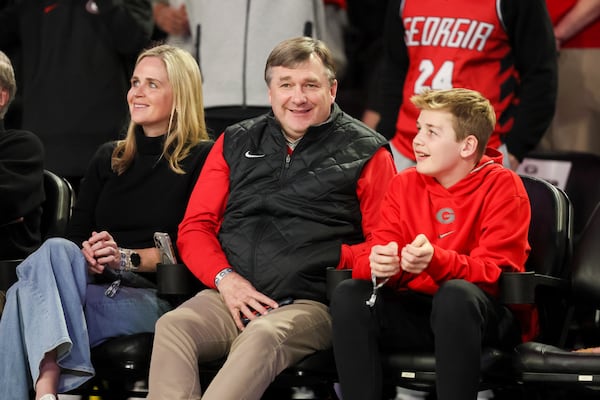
(240, 296)
(513, 161)
(100, 251)
(173, 21)
(415, 257)
(384, 260)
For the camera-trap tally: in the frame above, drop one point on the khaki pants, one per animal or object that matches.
(575, 124)
(202, 329)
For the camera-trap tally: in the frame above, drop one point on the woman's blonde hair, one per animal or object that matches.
(186, 123)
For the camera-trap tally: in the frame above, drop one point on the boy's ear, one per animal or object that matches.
(469, 146)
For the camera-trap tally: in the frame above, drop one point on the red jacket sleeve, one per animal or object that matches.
(197, 239)
(372, 185)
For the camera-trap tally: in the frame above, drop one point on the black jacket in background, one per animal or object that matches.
(75, 71)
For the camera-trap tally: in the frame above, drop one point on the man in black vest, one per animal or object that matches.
(281, 197)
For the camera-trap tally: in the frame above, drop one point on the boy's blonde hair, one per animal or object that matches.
(186, 125)
(473, 113)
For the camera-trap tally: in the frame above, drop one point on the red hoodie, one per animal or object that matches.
(478, 227)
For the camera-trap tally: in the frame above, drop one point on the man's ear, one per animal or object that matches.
(469, 146)
(3, 97)
(333, 90)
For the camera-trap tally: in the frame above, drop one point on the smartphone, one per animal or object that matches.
(283, 302)
(163, 243)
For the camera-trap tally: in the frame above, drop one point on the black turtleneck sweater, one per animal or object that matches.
(148, 197)
(21, 192)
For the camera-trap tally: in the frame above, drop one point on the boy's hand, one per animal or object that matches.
(384, 260)
(417, 255)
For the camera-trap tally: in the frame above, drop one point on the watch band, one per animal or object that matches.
(222, 274)
(130, 260)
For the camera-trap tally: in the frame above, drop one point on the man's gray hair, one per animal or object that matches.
(7, 81)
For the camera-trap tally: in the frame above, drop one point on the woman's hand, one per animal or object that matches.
(101, 251)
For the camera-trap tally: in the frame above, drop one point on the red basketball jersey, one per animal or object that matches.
(459, 43)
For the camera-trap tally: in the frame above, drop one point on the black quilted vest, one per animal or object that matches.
(286, 220)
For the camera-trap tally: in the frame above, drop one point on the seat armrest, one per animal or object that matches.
(176, 280)
(521, 287)
(334, 277)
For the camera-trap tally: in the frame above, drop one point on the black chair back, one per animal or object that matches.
(550, 230)
(551, 241)
(581, 185)
(56, 209)
(56, 213)
(586, 263)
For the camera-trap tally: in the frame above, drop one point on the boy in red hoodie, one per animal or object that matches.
(448, 227)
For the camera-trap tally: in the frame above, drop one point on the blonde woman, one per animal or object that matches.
(73, 293)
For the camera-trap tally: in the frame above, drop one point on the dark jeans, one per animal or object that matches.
(457, 321)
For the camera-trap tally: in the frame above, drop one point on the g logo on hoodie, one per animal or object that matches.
(445, 216)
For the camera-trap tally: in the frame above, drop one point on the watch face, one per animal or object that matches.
(135, 259)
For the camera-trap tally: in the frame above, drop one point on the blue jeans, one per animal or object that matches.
(53, 305)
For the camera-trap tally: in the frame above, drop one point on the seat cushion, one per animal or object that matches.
(314, 369)
(534, 357)
(128, 354)
(420, 366)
